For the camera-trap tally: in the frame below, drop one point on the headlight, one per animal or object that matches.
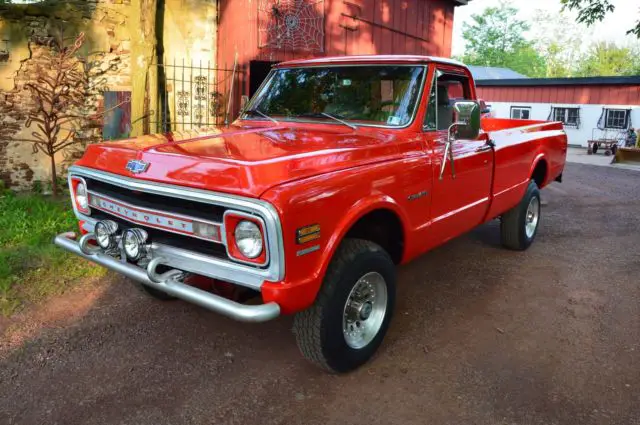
(248, 239)
(134, 242)
(105, 232)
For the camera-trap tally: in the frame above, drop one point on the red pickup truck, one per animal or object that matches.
(338, 170)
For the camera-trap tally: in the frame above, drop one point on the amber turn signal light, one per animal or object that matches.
(308, 233)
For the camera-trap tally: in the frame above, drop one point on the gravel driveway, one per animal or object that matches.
(481, 336)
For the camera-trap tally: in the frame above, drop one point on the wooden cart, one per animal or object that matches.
(606, 139)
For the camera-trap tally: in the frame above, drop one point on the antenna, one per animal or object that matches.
(233, 78)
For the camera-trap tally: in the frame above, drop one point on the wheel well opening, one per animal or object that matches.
(382, 227)
(539, 174)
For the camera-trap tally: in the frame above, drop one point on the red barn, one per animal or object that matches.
(262, 32)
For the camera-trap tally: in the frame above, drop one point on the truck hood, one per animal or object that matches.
(243, 160)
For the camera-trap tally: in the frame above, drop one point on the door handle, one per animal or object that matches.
(484, 148)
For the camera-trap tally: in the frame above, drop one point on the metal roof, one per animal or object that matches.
(581, 81)
(494, 73)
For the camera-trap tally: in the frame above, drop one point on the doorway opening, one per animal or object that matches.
(258, 71)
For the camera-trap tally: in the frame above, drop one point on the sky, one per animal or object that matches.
(613, 28)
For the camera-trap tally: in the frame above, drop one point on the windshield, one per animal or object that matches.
(371, 95)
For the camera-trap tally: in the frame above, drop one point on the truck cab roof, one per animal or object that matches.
(370, 59)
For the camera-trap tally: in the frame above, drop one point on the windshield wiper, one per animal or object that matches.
(352, 126)
(324, 114)
(262, 114)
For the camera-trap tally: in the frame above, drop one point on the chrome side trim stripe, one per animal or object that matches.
(459, 210)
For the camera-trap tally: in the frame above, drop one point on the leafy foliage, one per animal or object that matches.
(592, 11)
(559, 41)
(607, 59)
(496, 38)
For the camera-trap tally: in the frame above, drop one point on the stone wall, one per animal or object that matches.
(187, 32)
(25, 31)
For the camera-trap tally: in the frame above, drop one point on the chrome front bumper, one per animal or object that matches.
(168, 282)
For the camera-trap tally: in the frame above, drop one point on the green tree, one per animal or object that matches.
(592, 11)
(496, 38)
(559, 40)
(607, 59)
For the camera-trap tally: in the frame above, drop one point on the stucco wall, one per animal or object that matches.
(188, 28)
(26, 29)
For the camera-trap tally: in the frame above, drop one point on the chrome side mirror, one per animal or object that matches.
(466, 126)
(466, 121)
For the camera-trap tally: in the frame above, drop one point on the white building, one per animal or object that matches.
(590, 108)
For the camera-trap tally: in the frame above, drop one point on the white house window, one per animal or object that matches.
(616, 118)
(520, 112)
(568, 116)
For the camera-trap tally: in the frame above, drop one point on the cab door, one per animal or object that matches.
(460, 195)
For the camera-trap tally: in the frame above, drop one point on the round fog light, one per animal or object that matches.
(134, 242)
(248, 239)
(105, 232)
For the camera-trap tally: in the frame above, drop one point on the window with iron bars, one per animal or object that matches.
(616, 118)
(570, 117)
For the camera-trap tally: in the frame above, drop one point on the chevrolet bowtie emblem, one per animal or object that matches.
(137, 166)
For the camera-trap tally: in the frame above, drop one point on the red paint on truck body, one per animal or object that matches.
(330, 175)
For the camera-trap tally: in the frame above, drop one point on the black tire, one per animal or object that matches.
(513, 224)
(160, 295)
(319, 329)
(595, 148)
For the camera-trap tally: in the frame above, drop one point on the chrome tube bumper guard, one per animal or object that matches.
(168, 282)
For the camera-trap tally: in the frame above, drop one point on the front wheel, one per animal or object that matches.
(352, 312)
(519, 225)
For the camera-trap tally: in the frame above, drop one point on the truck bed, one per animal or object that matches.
(519, 142)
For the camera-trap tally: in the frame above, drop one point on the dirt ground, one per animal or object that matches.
(481, 336)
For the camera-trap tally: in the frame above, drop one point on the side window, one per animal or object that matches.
(520, 112)
(446, 90)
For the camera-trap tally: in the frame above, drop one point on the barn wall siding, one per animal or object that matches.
(351, 27)
(582, 95)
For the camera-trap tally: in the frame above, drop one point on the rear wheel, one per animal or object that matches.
(519, 225)
(352, 312)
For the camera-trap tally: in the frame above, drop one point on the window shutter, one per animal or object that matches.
(627, 119)
(601, 121)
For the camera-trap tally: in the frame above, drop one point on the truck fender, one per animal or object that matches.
(534, 164)
(358, 210)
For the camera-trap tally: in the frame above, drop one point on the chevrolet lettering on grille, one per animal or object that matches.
(151, 218)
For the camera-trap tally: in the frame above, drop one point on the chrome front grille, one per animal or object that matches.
(179, 250)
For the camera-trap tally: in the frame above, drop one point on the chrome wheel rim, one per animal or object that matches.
(533, 217)
(364, 310)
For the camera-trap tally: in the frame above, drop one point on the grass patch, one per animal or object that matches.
(31, 267)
